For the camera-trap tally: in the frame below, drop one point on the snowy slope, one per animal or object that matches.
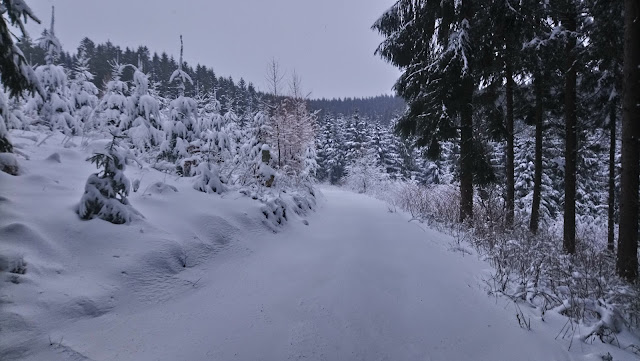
(357, 283)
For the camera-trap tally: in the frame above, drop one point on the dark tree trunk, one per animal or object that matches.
(627, 264)
(537, 178)
(570, 152)
(510, 153)
(466, 153)
(466, 135)
(612, 177)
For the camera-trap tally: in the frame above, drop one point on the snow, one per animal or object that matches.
(202, 277)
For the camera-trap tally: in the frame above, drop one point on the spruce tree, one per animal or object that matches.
(113, 108)
(54, 107)
(105, 193)
(433, 43)
(627, 262)
(17, 75)
(603, 83)
(182, 127)
(144, 128)
(84, 94)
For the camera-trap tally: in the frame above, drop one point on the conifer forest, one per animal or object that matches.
(130, 177)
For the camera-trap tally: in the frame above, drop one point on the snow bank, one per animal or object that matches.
(57, 269)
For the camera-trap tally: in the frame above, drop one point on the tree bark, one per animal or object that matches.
(570, 153)
(510, 152)
(627, 263)
(612, 178)
(466, 153)
(537, 177)
(466, 134)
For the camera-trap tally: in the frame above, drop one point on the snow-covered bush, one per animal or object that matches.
(364, 174)
(279, 205)
(274, 210)
(105, 193)
(208, 178)
(435, 202)
(9, 164)
(534, 269)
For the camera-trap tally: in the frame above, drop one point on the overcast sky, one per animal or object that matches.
(328, 42)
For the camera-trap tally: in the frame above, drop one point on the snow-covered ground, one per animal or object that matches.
(203, 278)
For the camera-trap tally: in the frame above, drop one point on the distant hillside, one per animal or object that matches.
(382, 108)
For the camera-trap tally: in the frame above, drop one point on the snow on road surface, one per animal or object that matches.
(357, 283)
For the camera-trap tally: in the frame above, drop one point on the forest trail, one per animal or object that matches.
(358, 283)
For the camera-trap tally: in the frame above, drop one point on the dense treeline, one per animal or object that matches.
(159, 67)
(382, 108)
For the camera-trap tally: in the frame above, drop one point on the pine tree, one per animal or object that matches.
(365, 173)
(5, 119)
(55, 109)
(322, 144)
(232, 129)
(603, 83)
(256, 154)
(356, 137)
(433, 43)
(541, 59)
(568, 14)
(310, 163)
(17, 75)
(627, 263)
(105, 193)
(113, 108)
(500, 49)
(182, 126)
(143, 121)
(84, 94)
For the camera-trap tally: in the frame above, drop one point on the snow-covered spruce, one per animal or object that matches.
(113, 107)
(143, 122)
(364, 173)
(84, 94)
(310, 163)
(105, 193)
(55, 109)
(251, 151)
(214, 148)
(182, 128)
(5, 114)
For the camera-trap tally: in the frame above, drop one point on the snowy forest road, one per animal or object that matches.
(358, 283)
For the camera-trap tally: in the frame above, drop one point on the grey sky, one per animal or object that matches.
(328, 42)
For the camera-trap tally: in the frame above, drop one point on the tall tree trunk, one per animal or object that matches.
(510, 153)
(570, 152)
(466, 134)
(537, 177)
(627, 264)
(466, 153)
(612, 177)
